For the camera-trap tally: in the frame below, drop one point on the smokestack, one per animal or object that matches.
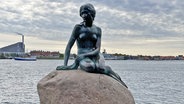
(23, 39)
(22, 36)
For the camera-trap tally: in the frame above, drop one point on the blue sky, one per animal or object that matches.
(147, 27)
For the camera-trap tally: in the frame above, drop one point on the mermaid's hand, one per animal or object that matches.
(74, 66)
(79, 58)
(62, 67)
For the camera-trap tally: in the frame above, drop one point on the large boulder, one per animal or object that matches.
(79, 87)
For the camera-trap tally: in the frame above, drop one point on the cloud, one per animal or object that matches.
(124, 20)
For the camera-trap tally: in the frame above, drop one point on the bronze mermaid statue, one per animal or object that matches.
(88, 39)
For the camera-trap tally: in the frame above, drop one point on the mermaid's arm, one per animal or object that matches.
(70, 44)
(68, 49)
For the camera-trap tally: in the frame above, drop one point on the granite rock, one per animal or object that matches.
(79, 87)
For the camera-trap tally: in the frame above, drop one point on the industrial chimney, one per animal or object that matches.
(23, 39)
(23, 45)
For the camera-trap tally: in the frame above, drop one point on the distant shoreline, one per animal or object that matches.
(105, 59)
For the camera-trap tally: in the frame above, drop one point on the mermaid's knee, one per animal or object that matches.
(87, 66)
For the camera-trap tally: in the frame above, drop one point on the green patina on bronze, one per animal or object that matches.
(88, 39)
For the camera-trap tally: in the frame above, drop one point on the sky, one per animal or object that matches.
(133, 27)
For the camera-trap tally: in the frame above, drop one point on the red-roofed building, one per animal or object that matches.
(45, 54)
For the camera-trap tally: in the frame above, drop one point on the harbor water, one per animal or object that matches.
(151, 82)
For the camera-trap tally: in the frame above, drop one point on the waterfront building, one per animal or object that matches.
(45, 54)
(17, 48)
(10, 51)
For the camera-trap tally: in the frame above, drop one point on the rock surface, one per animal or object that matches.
(79, 87)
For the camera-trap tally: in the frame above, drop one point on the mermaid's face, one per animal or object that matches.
(86, 15)
(87, 12)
